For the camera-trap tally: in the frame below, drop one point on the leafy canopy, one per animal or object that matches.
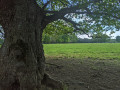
(83, 16)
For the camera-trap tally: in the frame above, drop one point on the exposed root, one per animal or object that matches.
(53, 65)
(53, 84)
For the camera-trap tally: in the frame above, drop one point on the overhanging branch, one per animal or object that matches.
(77, 9)
(73, 9)
(70, 21)
(75, 25)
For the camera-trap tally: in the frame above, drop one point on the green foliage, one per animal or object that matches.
(100, 37)
(54, 4)
(46, 38)
(58, 27)
(83, 50)
(73, 38)
(60, 38)
(118, 38)
(98, 16)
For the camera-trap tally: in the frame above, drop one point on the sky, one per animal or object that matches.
(117, 33)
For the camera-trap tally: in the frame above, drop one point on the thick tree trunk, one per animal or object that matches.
(22, 57)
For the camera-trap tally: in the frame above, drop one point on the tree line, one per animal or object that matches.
(73, 38)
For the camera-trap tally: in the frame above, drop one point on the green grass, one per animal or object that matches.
(83, 50)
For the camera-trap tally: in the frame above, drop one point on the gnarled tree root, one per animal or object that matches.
(50, 84)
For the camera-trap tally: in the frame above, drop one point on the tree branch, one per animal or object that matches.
(75, 25)
(73, 9)
(51, 12)
(61, 13)
(70, 21)
(46, 5)
(55, 15)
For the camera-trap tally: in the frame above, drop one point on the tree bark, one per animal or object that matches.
(22, 58)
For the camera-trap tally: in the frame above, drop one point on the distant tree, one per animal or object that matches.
(85, 40)
(60, 38)
(65, 38)
(46, 38)
(73, 38)
(57, 38)
(100, 37)
(118, 38)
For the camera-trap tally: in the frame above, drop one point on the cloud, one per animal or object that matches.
(117, 33)
(113, 36)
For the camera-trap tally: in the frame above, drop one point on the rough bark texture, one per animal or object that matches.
(22, 58)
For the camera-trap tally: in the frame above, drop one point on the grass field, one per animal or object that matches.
(83, 50)
(85, 66)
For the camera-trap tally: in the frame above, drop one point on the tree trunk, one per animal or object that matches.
(22, 58)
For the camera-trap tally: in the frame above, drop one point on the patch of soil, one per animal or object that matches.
(85, 74)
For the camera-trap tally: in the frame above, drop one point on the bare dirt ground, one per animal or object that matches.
(85, 74)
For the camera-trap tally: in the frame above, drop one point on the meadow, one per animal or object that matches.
(83, 50)
(85, 66)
